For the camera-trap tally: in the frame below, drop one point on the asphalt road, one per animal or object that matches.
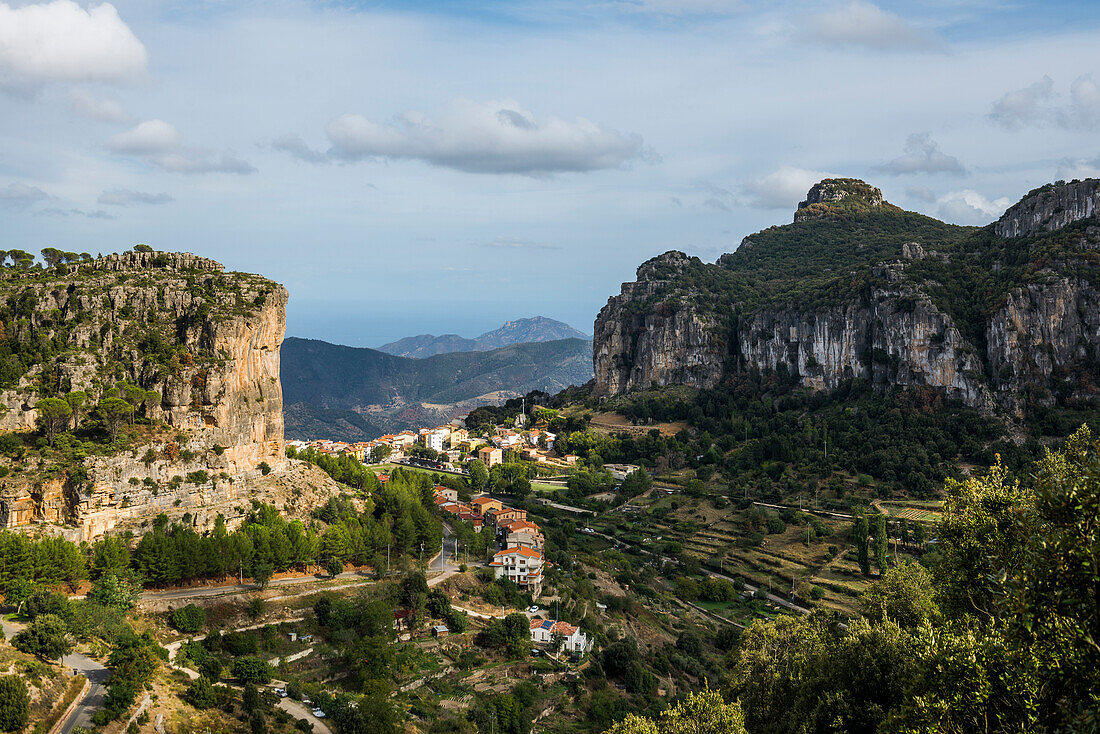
(97, 675)
(83, 665)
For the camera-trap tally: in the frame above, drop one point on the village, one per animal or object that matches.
(448, 447)
(518, 541)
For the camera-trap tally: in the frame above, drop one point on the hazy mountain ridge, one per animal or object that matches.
(534, 329)
(350, 391)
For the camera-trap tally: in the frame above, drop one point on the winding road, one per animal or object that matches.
(83, 665)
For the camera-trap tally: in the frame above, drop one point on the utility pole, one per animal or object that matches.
(388, 558)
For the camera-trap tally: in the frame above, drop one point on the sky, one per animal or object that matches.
(443, 166)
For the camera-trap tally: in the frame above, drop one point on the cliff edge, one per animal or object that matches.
(200, 349)
(856, 288)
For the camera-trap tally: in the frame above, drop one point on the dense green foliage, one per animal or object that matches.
(14, 703)
(1001, 636)
(394, 518)
(767, 436)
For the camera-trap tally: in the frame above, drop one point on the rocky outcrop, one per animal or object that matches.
(1045, 338)
(1050, 208)
(683, 322)
(893, 335)
(636, 346)
(205, 343)
(848, 192)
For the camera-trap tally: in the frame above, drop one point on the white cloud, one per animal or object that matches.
(1036, 105)
(1083, 111)
(21, 193)
(61, 41)
(1071, 168)
(923, 155)
(159, 143)
(201, 161)
(516, 243)
(127, 197)
(491, 137)
(970, 207)
(103, 109)
(863, 24)
(151, 136)
(781, 189)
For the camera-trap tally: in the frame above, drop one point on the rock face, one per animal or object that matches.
(203, 342)
(1050, 208)
(894, 336)
(1041, 340)
(848, 191)
(671, 344)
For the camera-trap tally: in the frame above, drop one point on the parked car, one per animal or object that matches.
(280, 692)
(319, 713)
(533, 609)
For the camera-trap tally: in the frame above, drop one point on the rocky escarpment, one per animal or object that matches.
(892, 335)
(1050, 208)
(884, 310)
(671, 344)
(203, 343)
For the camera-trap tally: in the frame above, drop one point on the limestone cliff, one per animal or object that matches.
(204, 343)
(1050, 208)
(874, 293)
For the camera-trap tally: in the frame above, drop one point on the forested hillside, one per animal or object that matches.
(392, 393)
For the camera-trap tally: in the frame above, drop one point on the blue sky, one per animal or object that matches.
(445, 166)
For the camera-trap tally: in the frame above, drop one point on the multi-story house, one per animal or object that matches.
(522, 533)
(520, 565)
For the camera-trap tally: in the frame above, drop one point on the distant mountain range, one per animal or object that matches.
(349, 393)
(522, 331)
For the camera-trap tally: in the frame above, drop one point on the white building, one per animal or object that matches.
(520, 565)
(542, 630)
(435, 439)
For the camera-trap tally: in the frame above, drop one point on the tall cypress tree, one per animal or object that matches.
(861, 533)
(880, 541)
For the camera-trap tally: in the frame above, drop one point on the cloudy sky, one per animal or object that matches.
(410, 167)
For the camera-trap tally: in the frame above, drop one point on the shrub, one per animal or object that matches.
(251, 669)
(14, 703)
(817, 592)
(190, 618)
(200, 694)
(264, 468)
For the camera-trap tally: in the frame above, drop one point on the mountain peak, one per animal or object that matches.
(832, 195)
(533, 329)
